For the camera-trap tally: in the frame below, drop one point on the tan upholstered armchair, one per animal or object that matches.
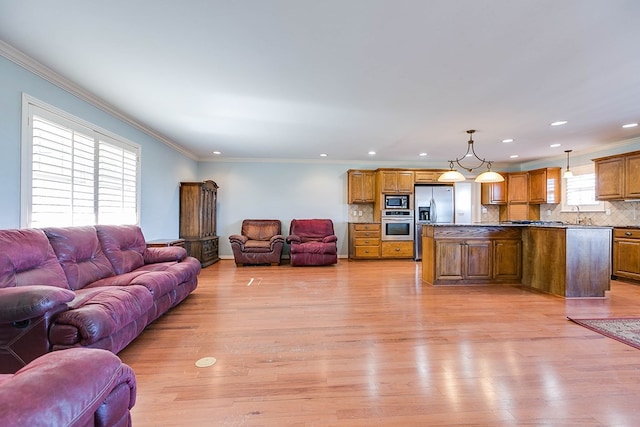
(260, 242)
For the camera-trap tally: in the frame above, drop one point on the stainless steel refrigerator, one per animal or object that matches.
(433, 204)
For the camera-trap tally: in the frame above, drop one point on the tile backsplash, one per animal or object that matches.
(360, 213)
(617, 214)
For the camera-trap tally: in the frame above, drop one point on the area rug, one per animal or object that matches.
(626, 330)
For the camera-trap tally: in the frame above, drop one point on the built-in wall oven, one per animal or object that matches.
(397, 224)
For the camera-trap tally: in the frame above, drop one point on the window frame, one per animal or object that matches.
(577, 171)
(31, 106)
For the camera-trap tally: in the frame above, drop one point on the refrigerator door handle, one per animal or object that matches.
(433, 211)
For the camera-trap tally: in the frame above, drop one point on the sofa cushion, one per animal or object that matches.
(158, 278)
(124, 246)
(80, 255)
(96, 313)
(27, 258)
(260, 229)
(309, 230)
(257, 246)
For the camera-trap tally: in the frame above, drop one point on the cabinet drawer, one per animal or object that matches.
(626, 233)
(367, 241)
(397, 249)
(366, 227)
(367, 251)
(366, 235)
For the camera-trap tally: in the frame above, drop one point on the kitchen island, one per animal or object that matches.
(572, 261)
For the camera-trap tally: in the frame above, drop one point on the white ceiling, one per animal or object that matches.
(291, 79)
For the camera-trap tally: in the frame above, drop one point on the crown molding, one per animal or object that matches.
(33, 66)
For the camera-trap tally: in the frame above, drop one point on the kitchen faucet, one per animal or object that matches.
(578, 215)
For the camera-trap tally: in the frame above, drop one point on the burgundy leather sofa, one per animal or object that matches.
(260, 242)
(75, 387)
(313, 242)
(96, 287)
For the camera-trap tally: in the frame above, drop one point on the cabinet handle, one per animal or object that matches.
(397, 249)
(628, 233)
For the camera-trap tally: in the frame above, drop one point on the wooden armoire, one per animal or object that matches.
(198, 220)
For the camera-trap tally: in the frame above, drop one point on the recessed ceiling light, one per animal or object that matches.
(514, 156)
(372, 153)
(508, 140)
(630, 125)
(217, 153)
(323, 155)
(559, 123)
(555, 145)
(422, 154)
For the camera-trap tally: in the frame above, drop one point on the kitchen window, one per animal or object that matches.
(75, 173)
(580, 191)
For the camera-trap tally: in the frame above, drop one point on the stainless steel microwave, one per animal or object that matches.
(396, 201)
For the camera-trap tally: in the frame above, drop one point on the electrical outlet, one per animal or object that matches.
(607, 212)
(359, 213)
(355, 213)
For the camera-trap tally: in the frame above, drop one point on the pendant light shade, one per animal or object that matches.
(455, 176)
(451, 176)
(567, 173)
(489, 176)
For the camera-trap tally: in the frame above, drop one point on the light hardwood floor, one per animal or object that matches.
(365, 343)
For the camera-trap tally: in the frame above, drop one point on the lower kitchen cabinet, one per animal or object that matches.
(626, 253)
(461, 260)
(364, 240)
(471, 255)
(397, 249)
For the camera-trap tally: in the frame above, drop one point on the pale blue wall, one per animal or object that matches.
(162, 167)
(278, 190)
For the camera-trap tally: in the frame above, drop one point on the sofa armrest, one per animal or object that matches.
(154, 255)
(50, 391)
(237, 238)
(29, 302)
(292, 238)
(276, 238)
(329, 239)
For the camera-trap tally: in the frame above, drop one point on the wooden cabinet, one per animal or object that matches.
(544, 186)
(518, 187)
(198, 220)
(392, 181)
(364, 240)
(507, 259)
(427, 176)
(397, 249)
(463, 260)
(626, 253)
(632, 176)
(493, 193)
(518, 206)
(361, 186)
(470, 254)
(609, 178)
(618, 177)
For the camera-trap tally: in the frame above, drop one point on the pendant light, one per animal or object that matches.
(453, 175)
(567, 173)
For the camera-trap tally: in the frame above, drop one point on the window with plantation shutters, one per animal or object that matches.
(75, 173)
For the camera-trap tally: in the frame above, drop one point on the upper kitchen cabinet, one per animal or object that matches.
(427, 176)
(618, 177)
(395, 181)
(518, 187)
(544, 186)
(493, 193)
(361, 186)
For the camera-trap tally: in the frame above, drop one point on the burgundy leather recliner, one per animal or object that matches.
(260, 242)
(313, 242)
